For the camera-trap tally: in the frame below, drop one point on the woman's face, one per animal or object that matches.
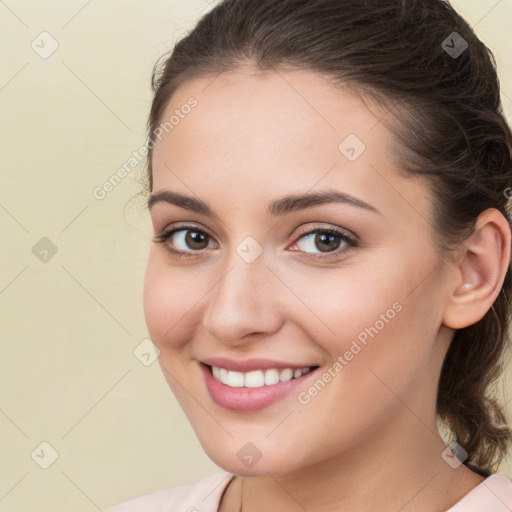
(263, 282)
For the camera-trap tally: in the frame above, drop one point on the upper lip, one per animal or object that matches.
(248, 365)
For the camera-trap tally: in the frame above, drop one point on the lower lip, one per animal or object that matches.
(249, 399)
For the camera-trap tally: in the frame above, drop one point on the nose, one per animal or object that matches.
(245, 301)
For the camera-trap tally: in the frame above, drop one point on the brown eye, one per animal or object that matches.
(196, 240)
(323, 240)
(326, 242)
(185, 240)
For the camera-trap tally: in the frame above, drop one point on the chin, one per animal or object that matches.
(246, 459)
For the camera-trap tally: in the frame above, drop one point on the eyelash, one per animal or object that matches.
(351, 243)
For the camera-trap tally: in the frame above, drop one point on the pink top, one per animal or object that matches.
(494, 494)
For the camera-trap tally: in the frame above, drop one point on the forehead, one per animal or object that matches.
(280, 132)
(254, 106)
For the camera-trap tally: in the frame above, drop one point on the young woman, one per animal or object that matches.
(329, 284)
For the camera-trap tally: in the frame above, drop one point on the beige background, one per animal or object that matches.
(70, 324)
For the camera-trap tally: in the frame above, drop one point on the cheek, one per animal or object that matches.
(372, 319)
(340, 303)
(170, 301)
(376, 367)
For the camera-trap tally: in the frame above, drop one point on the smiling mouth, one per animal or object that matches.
(257, 378)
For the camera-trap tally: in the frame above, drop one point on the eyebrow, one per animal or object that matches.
(281, 206)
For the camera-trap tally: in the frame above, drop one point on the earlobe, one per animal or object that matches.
(479, 274)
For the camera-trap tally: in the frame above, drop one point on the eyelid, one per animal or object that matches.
(186, 226)
(170, 231)
(343, 231)
(350, 239)
(303, 231)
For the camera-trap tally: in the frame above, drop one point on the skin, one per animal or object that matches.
(368, 441)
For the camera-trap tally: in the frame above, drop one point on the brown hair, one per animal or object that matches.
(449, 127)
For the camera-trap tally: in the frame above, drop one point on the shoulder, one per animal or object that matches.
(494, 494)
(199, 496)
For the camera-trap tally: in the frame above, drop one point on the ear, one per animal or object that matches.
(480, 271)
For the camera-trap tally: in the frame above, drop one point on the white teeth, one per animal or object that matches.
(271, 377)
(286, 374)
(223, 374)
(235, 379)
(257, 378)
(254, 379)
